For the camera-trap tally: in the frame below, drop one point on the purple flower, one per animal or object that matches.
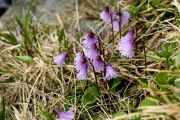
(81, 65)
(19, 30)
(115, 24)
(124, 19)
(106, 14)
(92, 52)
(89, 40)
(79, 61)
(60, 59)
(126, 45)
(82, 74)
(69, 115)
(110, 73)
(78, 58)
(98, 64)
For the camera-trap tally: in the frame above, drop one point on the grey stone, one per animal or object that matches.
(44, 10)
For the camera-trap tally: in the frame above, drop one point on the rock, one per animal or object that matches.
(4, 5)
(44, 10)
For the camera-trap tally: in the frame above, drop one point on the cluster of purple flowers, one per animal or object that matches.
(118, 20)
(91, 56)
(83, 59)
(91, 47)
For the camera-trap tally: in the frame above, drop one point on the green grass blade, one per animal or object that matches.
(8, 38)
(27, 17)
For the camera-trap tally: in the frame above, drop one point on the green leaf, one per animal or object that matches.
(88, 98)
(45, 114)
(133, 117)
(92, 90)
(155, 3)
(134, 11)
(143, 82)
(26, 59)
(81, 84)
(166, 51)
(28, 14)
(34, 35)
(177, 60)
(25, 32)
(149, 102)
(2, 109)
(177, 82)
(178, 22)
(119, 114)
(8, 38)
(115, 84)
(61, 34)
(161, 78)
(90, 94)
(46, 29)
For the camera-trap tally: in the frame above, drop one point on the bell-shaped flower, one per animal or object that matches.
(98, 64)
(91, 52)
(81, 65)
(106, 14)
(60, 59)
(78, 60)
(126, 45)
(69, 115)
(109, 72)
(82, 74)
(89, 40)
(115, 25)
(124, 19)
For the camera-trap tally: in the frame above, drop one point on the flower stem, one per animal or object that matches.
(145, 59)
(167, 63)
(96, 80)
(119, 23)
(112, 28)
(100, 50)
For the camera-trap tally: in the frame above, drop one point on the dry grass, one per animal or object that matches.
(26, 86)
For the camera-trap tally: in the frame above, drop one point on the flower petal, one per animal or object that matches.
(60, 59)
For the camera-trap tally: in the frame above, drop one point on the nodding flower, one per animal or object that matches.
(69, 115)
(109, 72)
(106, 15)
(81, 65)
(92, 52)
(82, 74)
(89, 40)
(126, 45)
(98, 64)
(60, 59)
(124, 19)
(78, 60)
